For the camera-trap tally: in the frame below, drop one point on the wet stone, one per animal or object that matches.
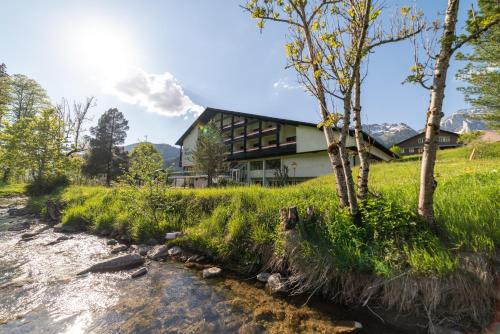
(20, 226)
(116, 264)
(158, 252)
(141, 272)
(119, 249)
(275, 284)
(174, 251)
(111, 242)
(212, 272)
(263, 277)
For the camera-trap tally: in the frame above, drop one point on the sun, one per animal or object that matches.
(102, 49)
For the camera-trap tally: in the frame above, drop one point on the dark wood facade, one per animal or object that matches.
(415, 144)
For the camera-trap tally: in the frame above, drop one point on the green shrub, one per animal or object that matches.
(46, 185)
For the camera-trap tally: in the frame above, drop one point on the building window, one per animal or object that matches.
(256, 165)
(421, 140)
(410, 150)
(273, 164)
(444, 139)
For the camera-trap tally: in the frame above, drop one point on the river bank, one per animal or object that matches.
(40, 292)
(390, 262)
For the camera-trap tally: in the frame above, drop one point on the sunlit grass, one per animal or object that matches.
(12, 189)
(240, 224)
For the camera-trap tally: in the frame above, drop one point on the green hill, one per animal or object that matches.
(169, 153)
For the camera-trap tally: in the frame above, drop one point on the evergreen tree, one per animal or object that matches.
(106, 156)
(209, 155)
(482, 72)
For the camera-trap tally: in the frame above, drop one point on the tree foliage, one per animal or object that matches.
(145, 165)
(209, 154)
(482, 71)
(27, 97)
(34, 145)
(106, 157)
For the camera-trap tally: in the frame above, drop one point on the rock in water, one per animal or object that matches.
(116, 264)
(158, 253)
(66, 228)
(174, 251)
(212, 272)
(111, 242)
(141, 272)
(263, 277)
(35, 233)
(19, 226)
(119, 249)
(275, 284)
(143, 251)
(343, 327)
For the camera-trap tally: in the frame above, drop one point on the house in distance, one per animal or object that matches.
(415, 144)
(257, 146)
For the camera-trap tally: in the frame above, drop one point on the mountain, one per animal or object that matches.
(463, 121)
(169, 153)
(389, 134)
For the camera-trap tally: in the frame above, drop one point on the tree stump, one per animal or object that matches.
(291, 217)
(53, 211)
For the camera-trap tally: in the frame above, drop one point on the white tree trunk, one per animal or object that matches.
(344, 156)
(361, 145)
(332, 143)
(427, 182)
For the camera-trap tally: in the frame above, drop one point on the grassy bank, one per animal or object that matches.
(9, 190)
(391, 260)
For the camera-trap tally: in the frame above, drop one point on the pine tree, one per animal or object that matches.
(106, 156)
(209, 156)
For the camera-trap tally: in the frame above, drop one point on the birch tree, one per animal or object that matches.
(303, 54)
(449, 43)
(328, 42)
(408, 23)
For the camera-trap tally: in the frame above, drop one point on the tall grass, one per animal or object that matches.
(240, 227)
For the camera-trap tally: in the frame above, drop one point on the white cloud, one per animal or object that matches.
(158, 93)
(284, 84)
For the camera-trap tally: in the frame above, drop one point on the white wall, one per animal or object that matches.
(188, 146)
(310, 139)
(308, 164)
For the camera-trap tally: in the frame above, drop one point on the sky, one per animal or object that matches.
(162, 62)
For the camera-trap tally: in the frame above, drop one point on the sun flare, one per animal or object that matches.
(104, 49)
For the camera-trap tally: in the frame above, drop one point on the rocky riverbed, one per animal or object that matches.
(40, 291)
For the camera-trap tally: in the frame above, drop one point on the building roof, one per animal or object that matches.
(209, 112)
(422, 132)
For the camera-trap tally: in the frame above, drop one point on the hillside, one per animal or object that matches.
(169, 153)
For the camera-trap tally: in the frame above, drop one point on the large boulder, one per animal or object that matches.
(123, 262)
(158, 252)
(211, 272)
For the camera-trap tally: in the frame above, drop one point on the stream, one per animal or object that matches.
(41, 293)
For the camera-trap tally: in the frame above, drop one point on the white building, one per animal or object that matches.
(259, 145)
